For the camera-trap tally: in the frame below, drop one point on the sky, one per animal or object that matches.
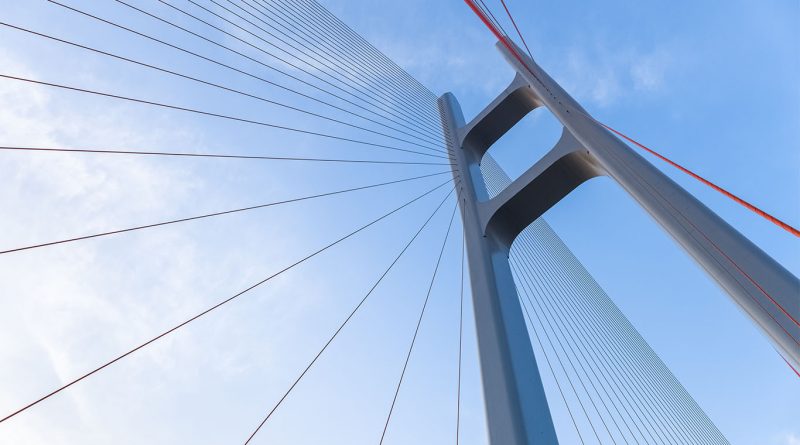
(713, 85)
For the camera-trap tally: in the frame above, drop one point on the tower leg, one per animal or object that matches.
(516, 406)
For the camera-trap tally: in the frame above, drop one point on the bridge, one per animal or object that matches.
(448, 248)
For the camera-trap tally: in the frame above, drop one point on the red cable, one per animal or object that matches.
(790, 365)
(705, 181)
(502, 38)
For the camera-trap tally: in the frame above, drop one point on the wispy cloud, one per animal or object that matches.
(72, 308)
(463, 53)
(790, 439)
(604, 76)
(53, 299)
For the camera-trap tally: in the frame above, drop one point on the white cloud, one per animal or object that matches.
(604, 76)
(790, 439)
(463, 52)
(648, 71)
(53, 300)
(67, 309)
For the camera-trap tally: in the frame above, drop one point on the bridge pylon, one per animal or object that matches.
(516, 404)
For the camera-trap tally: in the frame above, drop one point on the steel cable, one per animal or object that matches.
(243, 72)
(215, 85)
(380, 96)
(347, 320)
(216, 155)
(217, 115)
(279, 58)
(210, 215)
(320, 36)
(354, 75)
(419, 323)
(220, 304)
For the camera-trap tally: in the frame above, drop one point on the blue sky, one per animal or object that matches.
(712, 85)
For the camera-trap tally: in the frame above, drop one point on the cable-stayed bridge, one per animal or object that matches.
(559, 362)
